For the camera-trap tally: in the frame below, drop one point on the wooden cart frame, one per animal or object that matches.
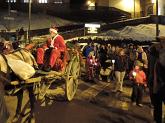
(70, 75)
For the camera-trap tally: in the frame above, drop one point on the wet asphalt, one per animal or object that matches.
(105, 107)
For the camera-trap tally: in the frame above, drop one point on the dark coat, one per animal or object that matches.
(153, 56)
(160, 76)
(120, 63)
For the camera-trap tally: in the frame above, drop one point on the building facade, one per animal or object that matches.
(37, 1)
(137, 8)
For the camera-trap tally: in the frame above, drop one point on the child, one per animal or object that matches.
(139, 78)
(92, 67)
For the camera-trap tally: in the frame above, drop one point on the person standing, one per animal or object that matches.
(21, 34)
(131, 56)
(152, 57)
(141, 58)
(103, 55)
(54, 46)
(139, 82)
(157, 80)
(120, 69)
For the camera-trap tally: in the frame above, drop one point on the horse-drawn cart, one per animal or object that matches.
(40, 84)
(43, 80)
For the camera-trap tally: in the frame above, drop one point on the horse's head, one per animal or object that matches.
(6, 47)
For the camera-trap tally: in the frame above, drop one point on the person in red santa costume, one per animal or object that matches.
(55, 45)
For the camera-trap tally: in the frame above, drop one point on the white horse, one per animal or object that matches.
(6, 75)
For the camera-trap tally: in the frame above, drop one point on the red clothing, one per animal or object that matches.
(58, 45)
(57, 42)
(140, 77)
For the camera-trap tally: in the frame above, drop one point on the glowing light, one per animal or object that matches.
(92, 4)
(89, 2)
(92, 25)
(128, 4)
(134, 73)
(113, 61)
(153, 1)
(91, 60)
(92, 28)
(43, 1)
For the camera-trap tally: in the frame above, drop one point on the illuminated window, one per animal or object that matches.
(58, 1)
(91, 5)
(128, 5)
(43, 1)
(12, 1)
(26, 1)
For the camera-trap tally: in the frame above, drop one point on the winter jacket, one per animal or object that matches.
(120, 63)
(141, 58)
(153, 56)
(57, 42)
(139, 78)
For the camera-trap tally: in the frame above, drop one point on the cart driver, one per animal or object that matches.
(55, 45)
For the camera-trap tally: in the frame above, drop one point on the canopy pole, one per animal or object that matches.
(29, 21)
(157, 19)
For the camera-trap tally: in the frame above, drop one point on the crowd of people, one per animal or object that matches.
(144, 66)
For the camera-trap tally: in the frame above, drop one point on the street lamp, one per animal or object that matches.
(29, 20)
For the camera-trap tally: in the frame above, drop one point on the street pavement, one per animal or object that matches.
(94, 102)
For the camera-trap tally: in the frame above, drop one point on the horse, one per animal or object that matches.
(7, 76)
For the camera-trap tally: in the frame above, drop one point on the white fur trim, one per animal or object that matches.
(52, 41)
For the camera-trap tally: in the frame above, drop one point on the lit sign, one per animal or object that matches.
(92, 25)
(92, 28)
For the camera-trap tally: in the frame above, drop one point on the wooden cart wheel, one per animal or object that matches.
(73, 71)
